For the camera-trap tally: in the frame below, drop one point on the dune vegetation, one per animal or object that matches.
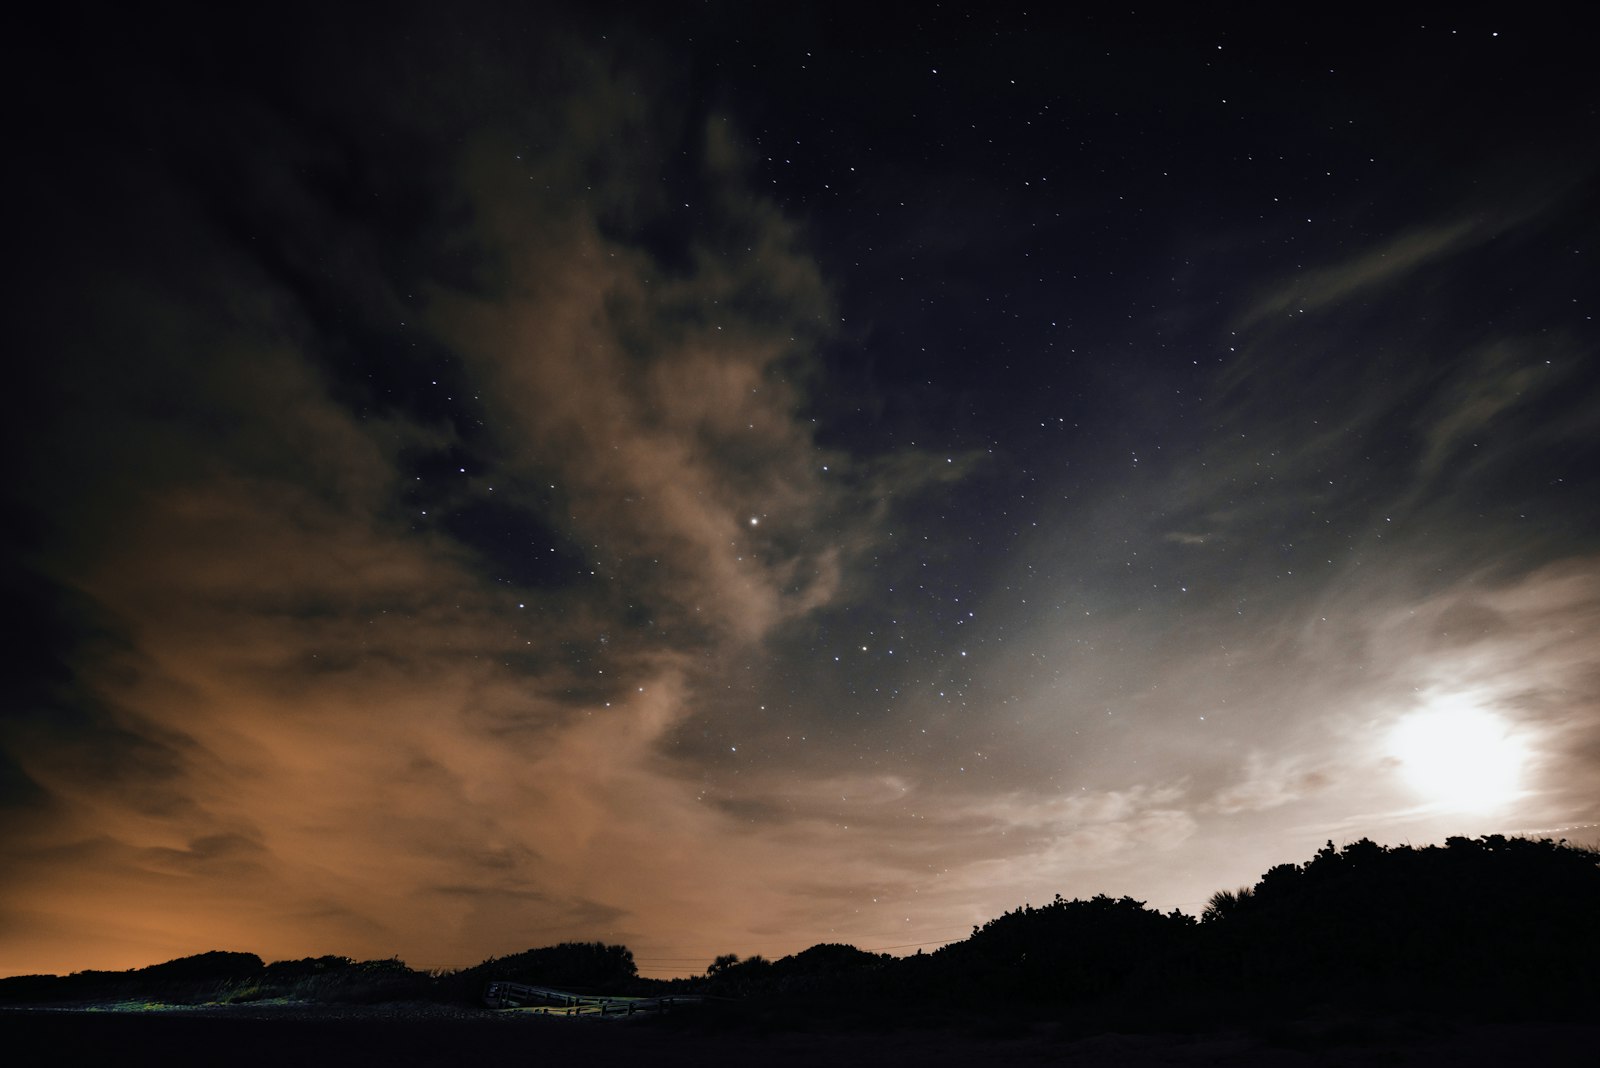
(1503, 926)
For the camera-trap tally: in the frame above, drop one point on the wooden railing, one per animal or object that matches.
(508, 995)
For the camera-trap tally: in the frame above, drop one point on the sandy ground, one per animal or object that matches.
(397, 1036)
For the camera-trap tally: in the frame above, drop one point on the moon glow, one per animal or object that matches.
(1459, 756)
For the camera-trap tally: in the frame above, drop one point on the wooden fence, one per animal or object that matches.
(507, 995)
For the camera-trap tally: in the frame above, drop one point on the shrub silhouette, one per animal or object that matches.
(1066, 950)
(1494, 916)
(721, 964)
(827, 970)
(1499, 924)
(214, 965)
(1224, 903)
(581, 967)
(368, 982)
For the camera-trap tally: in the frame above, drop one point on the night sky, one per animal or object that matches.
(726, 477)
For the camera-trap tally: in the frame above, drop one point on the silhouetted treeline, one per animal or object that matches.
(236, 978)
(1508, 926)
(230, 979)
(825, 970)
(578, 967)
(1494, 918)
(1490, 924)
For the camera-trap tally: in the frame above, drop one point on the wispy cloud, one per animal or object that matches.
(1316, 289)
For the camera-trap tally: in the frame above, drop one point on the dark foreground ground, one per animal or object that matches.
(392, 1037)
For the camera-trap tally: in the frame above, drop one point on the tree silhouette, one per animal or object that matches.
(1224, 903)
(1493, 924)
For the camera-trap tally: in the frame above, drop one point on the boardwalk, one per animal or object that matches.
(507, 995)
